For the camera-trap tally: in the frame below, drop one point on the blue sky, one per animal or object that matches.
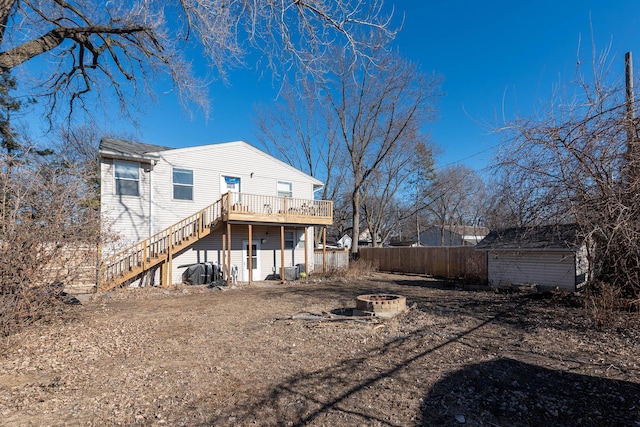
(492, 54)
(507, 54)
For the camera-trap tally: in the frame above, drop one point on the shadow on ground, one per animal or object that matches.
(508, 392)
(454, 372)
(347, 392)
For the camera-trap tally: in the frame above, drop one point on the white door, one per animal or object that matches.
(255, 259)
(229, 183)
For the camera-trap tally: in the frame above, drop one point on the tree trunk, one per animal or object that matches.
(355, 205)
(5, 12)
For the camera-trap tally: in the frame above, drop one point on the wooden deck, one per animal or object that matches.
(251, 208)
(159, 249)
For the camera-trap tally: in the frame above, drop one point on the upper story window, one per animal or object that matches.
(285, 189)
(182, 184)
(127, 178)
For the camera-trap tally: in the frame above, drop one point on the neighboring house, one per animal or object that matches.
(344, 242)
(452, 235)
(550, 257)
(208, 201)
(365, 239)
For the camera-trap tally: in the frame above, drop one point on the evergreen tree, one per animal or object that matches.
(8, 105)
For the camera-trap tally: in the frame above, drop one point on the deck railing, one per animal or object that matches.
(283, 207)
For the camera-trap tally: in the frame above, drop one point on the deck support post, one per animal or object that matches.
(324, 250)
(229, 250)
(282, 254)
(168, 276)
(250, 254)
(163, 274)
(225, 276)
(306, 251)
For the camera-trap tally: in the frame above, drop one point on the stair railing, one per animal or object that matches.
(151, 251)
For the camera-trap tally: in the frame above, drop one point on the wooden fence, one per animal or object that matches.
(74, 265)
(448, 262)
(335, 259)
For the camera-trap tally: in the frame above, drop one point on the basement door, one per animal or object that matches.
(255, 260)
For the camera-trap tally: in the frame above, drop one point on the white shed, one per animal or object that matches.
(550, 257)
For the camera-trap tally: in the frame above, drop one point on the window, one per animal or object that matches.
(288, 239)
(182, 184)
(127, 178)
(285, 189)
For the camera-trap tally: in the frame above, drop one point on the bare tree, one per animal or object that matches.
(378, 108)
(398, 174)
(571, 164)
(416, 203)
(455, 197)
(358, 128)
(508, 204)
(50, 230)
(298, 130)
(92, 45)
(341, 217)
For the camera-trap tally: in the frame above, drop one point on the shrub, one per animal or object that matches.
(601, 300)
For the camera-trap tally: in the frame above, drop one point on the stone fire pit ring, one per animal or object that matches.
(383, 305)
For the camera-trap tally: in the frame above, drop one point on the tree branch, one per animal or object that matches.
(54, 38)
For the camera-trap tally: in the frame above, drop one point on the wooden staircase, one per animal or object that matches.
(158, 249)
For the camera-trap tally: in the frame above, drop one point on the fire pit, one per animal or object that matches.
(383, 305)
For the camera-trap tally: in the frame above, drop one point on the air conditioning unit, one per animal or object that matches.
(290, 273)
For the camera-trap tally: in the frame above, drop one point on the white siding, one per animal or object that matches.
(127, 215)
(258, 171)
(546, 269)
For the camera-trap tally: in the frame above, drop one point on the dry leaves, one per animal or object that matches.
(196, 356)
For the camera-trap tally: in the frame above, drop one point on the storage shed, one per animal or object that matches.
(553, 256)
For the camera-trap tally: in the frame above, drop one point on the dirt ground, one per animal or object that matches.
(196, 356)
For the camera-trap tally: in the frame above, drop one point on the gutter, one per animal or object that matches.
(146, 158)
(528, 250)
(152, 164)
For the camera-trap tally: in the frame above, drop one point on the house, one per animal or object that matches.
(553, 256)
(366, 239)
(228, 203)
(452, 235)
(344, 242)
